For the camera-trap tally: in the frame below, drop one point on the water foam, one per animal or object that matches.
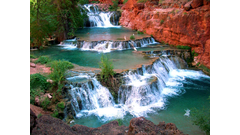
(145, 91)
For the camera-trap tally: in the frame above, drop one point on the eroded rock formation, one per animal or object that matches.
(169, 21)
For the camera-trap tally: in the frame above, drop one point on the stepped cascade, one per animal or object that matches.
(107, 46)
(144, 91)
(98, 18)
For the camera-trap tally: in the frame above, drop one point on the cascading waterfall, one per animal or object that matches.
(144, 91)
(99, 18)
(108, 46)
(90, 95)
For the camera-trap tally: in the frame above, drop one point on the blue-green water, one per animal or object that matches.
(193, 91)
(114, 33)
(186, 89)
(121, 59)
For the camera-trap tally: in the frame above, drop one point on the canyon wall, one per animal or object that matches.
(176, 22)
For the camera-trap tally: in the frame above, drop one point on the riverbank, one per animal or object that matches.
(46, 124)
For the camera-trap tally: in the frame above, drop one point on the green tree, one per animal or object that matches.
(201, 118)
(114, 6)
(106, 68)
(70, 17)
(42, 21)
(60, 17)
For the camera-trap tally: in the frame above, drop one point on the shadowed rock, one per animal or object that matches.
(47, 125)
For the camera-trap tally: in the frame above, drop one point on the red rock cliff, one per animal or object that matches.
(176, 22)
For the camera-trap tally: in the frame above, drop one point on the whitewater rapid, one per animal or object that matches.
(136, 96)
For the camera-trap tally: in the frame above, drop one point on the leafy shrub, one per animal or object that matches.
(194, 53)
(183, 47)
(162, 21)
(197, 64)
(45, 103)
(43, 60)
(140, 32)
(132, 37)
(33, 57)
(106, 68)
(38, 81)
(95, 2)
(113, 7)
(55, 114)
(61, 105)
(204, 68)
(58, 69)
(184, 13)
(39, 115)
(202, 119)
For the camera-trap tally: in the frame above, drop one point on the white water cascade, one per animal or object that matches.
(105, 45)
(98, 18)
(145, 90)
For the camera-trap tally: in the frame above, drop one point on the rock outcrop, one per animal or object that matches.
(143, 126)
(48, 125)
(174, 22)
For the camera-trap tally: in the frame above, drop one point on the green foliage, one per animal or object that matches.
(58, 69)
(58, 17)
(61, 105)
(95, 2)
(45, 103)
(142, 1)
(197, 64)
(55, 114)
(33, 57)
(194, 53)
(202, 119)
(204, 68)
(132, 37)
(39, 115)
(113, 7)
(183, 47)
(162, 21)
(185, 13)
(140, 32)
(151, 35)
(106, 68)
(125, 1)
(43, 60)
(38, 81)
(120, 122)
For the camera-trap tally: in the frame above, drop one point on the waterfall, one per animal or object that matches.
(108, 46)
(99, 18)
(145, 90)
(90, 95)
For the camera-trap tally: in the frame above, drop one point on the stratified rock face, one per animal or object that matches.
(47, 125)
(171, 23)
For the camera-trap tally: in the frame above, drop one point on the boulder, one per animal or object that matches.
(196, 3)
(48, 125)
(32, 65)
(141, 125)
(32, 120)
(49, 80)
(38, 110)
(187, 6)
